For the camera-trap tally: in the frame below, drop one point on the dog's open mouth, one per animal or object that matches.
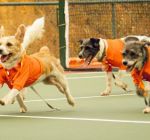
(4, 58)
(130, 68)
(88, 59)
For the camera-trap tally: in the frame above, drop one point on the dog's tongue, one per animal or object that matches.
(87, 61)
(4, 58)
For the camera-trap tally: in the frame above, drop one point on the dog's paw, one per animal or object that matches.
(121, 84)
(105, 93)
(23, 109)
(2, 102)
(124, 87)
(13, 101)
(146, 110)
(71, 101)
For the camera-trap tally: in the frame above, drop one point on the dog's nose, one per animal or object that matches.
(80, 56)
(1, 51)
(125, 63)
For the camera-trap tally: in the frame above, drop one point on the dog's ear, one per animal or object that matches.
(131, 38)
(144, 50)
(80, 41)
(147, 44)
(95, 41)
(1, 31)
(143, 45)
(20, 32)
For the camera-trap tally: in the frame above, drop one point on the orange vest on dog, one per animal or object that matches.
(113, 56)
(143, 74)
(23, 75)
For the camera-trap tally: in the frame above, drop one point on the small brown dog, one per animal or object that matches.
(136, 57)
(19, 70)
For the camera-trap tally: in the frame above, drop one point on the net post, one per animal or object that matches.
(62, 27)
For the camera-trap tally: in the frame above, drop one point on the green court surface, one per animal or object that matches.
(116, 117)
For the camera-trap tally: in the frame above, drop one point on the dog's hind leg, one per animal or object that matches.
(61, 83)
(107, 91)
(52, 81)
(64, 84)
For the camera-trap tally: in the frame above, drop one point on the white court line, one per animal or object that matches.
(85, 73)
(85, 97)
(88, 77)
(78, 119)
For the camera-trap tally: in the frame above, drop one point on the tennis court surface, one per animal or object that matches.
(118, 116)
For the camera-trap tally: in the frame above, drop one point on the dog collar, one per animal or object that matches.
(102, 52)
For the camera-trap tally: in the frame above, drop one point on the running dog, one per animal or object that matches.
(19, 70)
(108, 52)
(136, 57)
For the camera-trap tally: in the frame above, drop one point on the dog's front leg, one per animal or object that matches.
(21, 94)
(119, 82)
(143, 93)
(147, 99)
(8, 99)
(107, 91)
(20, 97)
(147, 102)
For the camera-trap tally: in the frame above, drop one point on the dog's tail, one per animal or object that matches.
(33, 32)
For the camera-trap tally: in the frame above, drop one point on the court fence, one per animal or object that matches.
(68, 21)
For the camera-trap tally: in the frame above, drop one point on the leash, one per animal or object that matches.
(113, 75)
(50, 106)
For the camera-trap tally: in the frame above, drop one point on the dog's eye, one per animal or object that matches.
(124, 54)
(9, 44)
(81, 47)
(132, 53)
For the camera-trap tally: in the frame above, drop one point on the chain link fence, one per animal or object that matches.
(12, 14)
(87, 18)
(107, 19)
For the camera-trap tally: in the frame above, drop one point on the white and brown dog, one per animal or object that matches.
(19, 70)
(108, 52)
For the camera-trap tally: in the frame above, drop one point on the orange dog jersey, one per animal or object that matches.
(143, 74)
(113, 56)
(23, 75)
